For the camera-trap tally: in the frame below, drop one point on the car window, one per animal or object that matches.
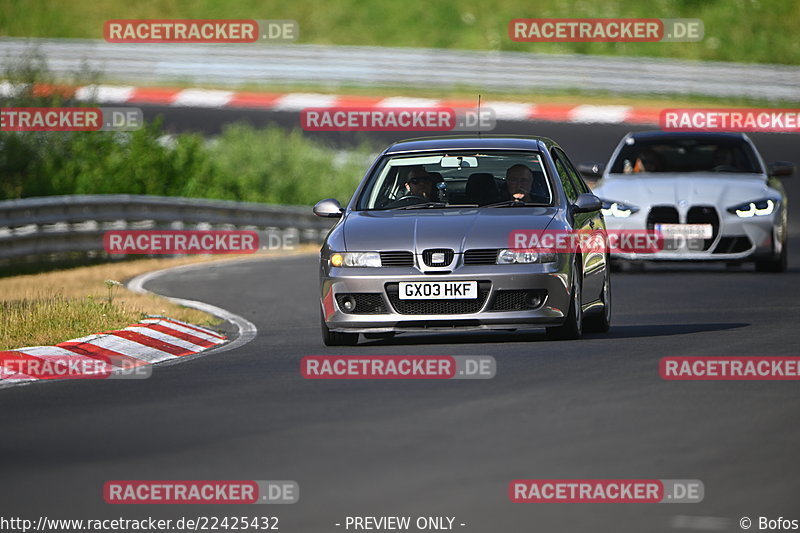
(575, 176)
(564, 175)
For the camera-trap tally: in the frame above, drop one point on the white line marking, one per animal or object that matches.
(510, 110)
(600, 113)
(247, 330)
(402, 101)
(203, 98)
(105, 94)
(300, 101)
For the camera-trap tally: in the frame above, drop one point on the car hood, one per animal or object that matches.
(457, 229)
(695, 188)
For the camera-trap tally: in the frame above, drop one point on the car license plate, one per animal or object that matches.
(687, 231)
(438, 290)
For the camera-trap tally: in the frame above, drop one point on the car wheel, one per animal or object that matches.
(601, 323)
(779, 264)
(334, 338)
(572, 328)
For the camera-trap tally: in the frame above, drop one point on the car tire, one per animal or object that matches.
(601, 323)
(334, 338)
(572, 328)
(778, 264)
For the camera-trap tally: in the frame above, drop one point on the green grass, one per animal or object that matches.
(759, 31)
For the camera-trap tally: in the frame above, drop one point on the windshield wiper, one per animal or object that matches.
(515, 203)
(432, 205)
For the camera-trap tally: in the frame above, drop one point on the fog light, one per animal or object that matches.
(534, 299)
(348, 303)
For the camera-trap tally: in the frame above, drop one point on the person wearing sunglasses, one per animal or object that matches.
(419, 183)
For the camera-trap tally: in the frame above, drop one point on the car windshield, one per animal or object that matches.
(685, 155)
(457, 179)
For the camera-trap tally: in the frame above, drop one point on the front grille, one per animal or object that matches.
(397, 259)
(444, 256)
(733, 245)
(704, 214)
(367, 303)
(664, 214)
(516, 300)
(481, 256)
(437, 307)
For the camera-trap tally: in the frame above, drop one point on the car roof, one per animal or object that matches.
(676, 135)
(466, 142)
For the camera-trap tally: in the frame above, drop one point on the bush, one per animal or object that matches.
(244, 164)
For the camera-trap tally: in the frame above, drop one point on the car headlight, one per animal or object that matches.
(753, 209)
(356, 259)
(617, 209)
(508, 256)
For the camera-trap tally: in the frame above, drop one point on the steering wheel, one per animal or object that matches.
(407, 200)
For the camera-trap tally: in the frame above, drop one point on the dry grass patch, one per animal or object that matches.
(48, 308)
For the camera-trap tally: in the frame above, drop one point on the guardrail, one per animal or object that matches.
(371, 66)
(58, 228)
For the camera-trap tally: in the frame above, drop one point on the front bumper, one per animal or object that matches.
(549, 278)
(738, 239)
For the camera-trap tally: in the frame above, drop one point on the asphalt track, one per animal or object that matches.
(594, 408)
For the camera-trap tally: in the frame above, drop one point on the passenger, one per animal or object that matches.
(648, 161)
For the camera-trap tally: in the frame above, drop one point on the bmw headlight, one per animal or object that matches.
(356, 259)
(753, 209)
(511, 256)
(617, 209)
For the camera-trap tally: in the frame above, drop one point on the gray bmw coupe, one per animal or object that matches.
(424, 244)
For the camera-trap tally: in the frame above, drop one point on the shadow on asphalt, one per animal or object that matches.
(616, 332)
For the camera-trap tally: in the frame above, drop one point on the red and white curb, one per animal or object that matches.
(150, 341)
(515, 111)
(156, 340)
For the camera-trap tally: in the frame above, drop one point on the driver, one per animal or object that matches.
(519, 179)
(419, 183)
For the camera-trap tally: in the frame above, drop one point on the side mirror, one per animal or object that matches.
(586, 203)
(780, 168)
(328, 208)
(591, 170)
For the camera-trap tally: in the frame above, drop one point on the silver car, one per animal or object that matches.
(710, 195)
(423, 245)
